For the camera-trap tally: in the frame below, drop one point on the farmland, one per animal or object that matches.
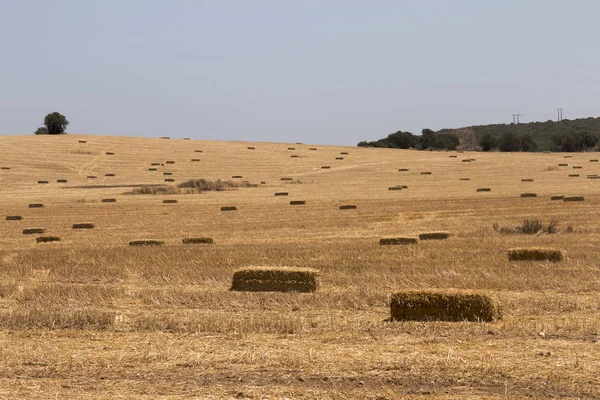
(89, 316)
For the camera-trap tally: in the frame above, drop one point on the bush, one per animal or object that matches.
(41, 131)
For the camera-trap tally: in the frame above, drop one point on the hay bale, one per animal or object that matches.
(527, 180)
(14, 218)
(535, 254)
(484, 190)
(164, 137)
(558, 197)
(440, 235)
(4, 167)
(169, 162)
(294, 156)
(42, 182)
(36, 205)
(452, 156)
(92, 177)
(313, 149)
(33, 231)
(169, 180)
(573, 198)
(402, 169)
(237, 176)
(568, 156)
(348, 207)
(110, 153)
(47, 239)
(61, 181)
(146, 242)
(438, 305)
(297, 202)
(152, 169)
(398, 240)
(275, 279)
(573, 175)
(84, 225)
(426, 173)
(154, 164)
(167, 173)
(528, 195)
(82, 141)
(169, 201)
(251, 148)
(109, 200)
(229, 208)
(594, 160)
(195, 160)
(263, 182)
(397, 187)
(286, 179)
(339, 158)
(197, 151)
(186, 138)
(467, 160)
(464, 179)
(593, 177)
(577, 167)
(326, 167)
(344, 153)
(198, 240)
(563, 165)
(109, 175)
(281, 194)
(291, 148)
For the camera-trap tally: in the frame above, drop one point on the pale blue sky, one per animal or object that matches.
(315, 71)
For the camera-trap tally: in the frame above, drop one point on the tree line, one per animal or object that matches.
(406, 140)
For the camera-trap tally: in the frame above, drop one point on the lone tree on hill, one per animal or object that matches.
(56, 123)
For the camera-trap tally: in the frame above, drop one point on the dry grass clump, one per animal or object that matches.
(14, 218)
(109, 200)
(47, 239)
(45, 317)
(36, 205)
(229, 208)
(527, 180)
(573, 198)
(146, 242)
(484, 190)
(33, 231)
(441, 235)
(169, 201)
(84, 225)
(557, 197)
(281, 194)
(275, 279)
(198, 240)
(297, 202)
(42, 182)
(154, 190)
(528, 194)
(348, 207)
(398, 240)
(529, 227)
(441, 305)
(535, 254)
(203, 185)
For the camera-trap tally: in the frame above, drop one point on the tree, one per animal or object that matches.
(528, 144)
(488, 142)
(56, 123)
(41, 131)
(510, 142)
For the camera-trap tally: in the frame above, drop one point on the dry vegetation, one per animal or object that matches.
(91, 317)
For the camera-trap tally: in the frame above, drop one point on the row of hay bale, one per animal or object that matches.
(188, 240)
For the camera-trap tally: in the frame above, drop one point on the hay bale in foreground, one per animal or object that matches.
(47, 239)
(199, 240)
(348, 207)
(33, 231)
(441, 235)
(229, 208)
(528, 194)
(297, 202)
(275, 279)
(573, 198)
(169, 201)
(146, 242)
(14, 218)
(109, 200)
(36, 205)
(484, 190)
(557, 197)
(398, 240)
(455, 306)
(535, 254)
(84, 225)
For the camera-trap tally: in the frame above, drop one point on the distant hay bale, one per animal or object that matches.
(82, 141)
(291, 148)
(167, 173)
(404, 187)
(344, 153)
(14, 218)
(152, 169)
(169, 201)
(275, 279)
(33, 231)
(402, 169)
(464, 179)
(557, 197)
(426, 173)
(92, 177)
(398, 240)
(397, 187)
(593, 176)
(61, 181)
(165, 137)
(535, 254)
(47, 239)
(313, 149)
(197, 151)
(109, 175)
(526, 180)
(186, 138)
(294, 156)
(299, 143)
(528, 195)
(473, 159)
(281, 194)
(169, 162)
(4, 167)
(251, 148)
(146, 242)
(286, 179)
(263, 182)
(297, 202)
(229, 208)
(577, 167)
(36, 205)
(466, 160)
(563, 165)
(348, 207)
(110, 153)
(440, 235)
(452, 156)
(438, 305)
(154, 164)
(109, 200)
(169, 180)
(573, 175)
(573, 198)
(568, 156)
(594, 160)
(42, 182)
(484, 190)
(195, 159)
(326, 167)
(237, 176)
(339, 158)
(84, 225)
(198, 240)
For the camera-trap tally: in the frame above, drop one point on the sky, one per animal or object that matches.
(312, 71)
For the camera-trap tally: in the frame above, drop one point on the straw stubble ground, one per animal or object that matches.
(91, 317)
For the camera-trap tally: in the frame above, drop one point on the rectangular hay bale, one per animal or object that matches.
(398, 240)
(535, 254)
(275, 279)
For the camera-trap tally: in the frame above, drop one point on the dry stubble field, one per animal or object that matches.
(91, 317)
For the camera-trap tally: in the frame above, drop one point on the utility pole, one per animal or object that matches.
(518, 115)
(559, 110)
